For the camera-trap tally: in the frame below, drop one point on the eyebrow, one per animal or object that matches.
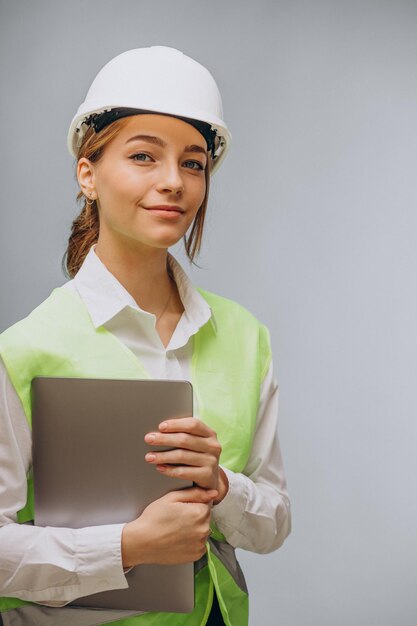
(159, 142)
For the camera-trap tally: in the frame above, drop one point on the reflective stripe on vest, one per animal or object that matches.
(227, 368)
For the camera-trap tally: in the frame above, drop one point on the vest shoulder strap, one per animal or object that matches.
(234, 317)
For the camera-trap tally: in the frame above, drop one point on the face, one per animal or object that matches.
(154, 161)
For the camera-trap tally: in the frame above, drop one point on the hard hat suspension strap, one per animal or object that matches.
(99, 120)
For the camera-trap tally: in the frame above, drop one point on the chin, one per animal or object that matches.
(166, 239)
(164, 242)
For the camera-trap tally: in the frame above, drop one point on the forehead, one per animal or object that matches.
(168, 128)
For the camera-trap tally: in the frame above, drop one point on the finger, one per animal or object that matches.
(178, 456)
(181, 440)
(191, 425)
(202, 476)
(193, 494)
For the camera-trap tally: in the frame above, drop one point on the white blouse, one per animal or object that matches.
(54, 566)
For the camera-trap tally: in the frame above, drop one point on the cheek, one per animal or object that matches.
(122, 184)
(121, 180)
(199, 192)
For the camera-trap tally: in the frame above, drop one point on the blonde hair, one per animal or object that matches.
(85, 227)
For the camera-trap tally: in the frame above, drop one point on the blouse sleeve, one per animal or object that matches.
(255, 513)
(50, 566)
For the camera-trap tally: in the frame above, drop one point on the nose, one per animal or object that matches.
(170, 179)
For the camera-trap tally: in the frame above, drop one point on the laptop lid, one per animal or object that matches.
(89, 469)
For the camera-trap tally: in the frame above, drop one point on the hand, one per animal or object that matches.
(172, 529)
(195, 455)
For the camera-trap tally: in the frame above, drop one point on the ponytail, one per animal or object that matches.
(84, 233)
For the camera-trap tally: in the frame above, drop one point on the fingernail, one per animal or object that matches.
(150, 437)
(163, 426)
(150, 457)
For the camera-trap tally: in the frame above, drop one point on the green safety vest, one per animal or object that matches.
(228, 365)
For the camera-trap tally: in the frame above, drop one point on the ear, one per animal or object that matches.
(86, 178)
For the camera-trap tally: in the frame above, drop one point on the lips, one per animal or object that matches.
(166, 207)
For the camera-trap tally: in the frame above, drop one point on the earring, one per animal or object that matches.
(91, 201)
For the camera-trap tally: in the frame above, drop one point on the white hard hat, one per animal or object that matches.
(157, 79)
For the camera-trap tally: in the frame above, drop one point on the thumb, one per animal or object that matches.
(194, 494)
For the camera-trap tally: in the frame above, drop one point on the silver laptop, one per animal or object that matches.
(89, 470)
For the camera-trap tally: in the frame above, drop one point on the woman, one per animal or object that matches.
(147, 138)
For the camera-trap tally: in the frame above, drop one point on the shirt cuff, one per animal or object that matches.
(227, 514)
(99, 553)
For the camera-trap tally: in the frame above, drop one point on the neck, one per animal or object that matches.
(142, 270)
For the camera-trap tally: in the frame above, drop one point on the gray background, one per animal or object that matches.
(312, 225)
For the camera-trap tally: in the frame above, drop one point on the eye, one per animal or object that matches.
(140, 155)
(197, 163)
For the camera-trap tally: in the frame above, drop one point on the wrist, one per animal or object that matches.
(132, 536)
(126, 547)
